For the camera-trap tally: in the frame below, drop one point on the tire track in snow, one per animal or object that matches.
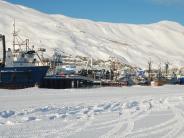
(178, 126)
(176, 122)
(71, 129)
(128, 129)
(146, 132)
(129, 120)
(136, 116)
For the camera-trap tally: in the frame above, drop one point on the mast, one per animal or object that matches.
(166, 69)
(16, 42)
(14, 35)
(149, 69)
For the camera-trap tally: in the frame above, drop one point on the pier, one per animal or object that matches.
(65, 82)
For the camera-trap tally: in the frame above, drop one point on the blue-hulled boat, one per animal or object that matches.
(19, 68)
(21, 77)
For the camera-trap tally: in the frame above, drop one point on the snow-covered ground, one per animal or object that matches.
(90, 113)
(130, 43)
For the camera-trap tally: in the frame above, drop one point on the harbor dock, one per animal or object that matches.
(65, 82)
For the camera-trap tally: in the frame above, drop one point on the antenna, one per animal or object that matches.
(14, 35)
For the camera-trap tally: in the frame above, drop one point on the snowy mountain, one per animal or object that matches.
(133, 44)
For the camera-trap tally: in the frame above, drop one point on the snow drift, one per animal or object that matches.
(133, 44)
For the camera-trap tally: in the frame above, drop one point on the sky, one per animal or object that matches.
(117, 11)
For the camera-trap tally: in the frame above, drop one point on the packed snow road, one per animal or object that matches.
(128, 112)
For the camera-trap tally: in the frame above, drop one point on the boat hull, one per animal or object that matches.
(21, 77)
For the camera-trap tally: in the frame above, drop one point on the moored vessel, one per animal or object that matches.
(20, 67)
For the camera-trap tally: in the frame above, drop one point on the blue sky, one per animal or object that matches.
(126, 11)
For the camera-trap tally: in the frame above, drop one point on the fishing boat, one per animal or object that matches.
(20, 67)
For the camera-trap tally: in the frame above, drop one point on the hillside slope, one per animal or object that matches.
(133, 44)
